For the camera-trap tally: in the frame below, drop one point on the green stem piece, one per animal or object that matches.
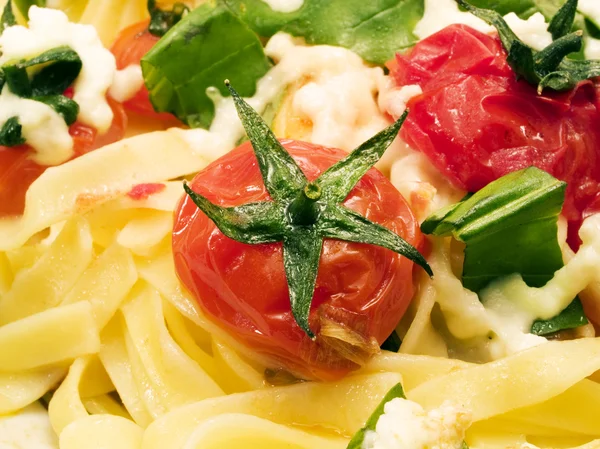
(550, 67)
(304, 212)
(162, 21)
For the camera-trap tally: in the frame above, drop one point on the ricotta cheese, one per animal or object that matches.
(590, 9)
(127, 83)
(442, 13)
(284, 5)
(406, 425)
(49, 28)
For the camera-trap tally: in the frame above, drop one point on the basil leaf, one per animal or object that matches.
(63, 105)
(24, 5)
(8, 17)
(510, 226)
(392, 343)
(194, 55)
(357, 440)
(10, 133)
(375, 29)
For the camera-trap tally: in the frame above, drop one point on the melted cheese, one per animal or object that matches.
(284, 5)
(406, 425)
(127, 83)
(49, 28)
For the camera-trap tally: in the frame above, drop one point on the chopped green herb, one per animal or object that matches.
(549, 68)
(8, 17)
(194, 56)
(374, 29)
(10, 133)
(510, 226)
(303, 213)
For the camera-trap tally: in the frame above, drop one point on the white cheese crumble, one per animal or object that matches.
(49, 28)
(284, 5)
(592, 48)
(127, 83)
(590, 9)
(406, 425)
(441, 13)
(42, 127)
(30, 428)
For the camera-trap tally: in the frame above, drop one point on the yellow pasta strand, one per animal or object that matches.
(101, 432)
(6, 274)
(105, 405)
(521, 380)
(235, 374)
(143, 235)
(55, 335)
(17, 390)
(44, 285)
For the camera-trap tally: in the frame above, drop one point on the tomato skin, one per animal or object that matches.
(476, 122)
(18, 171)
(129, 48)
(243, 288)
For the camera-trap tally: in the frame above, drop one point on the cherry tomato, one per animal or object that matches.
(476, 122)
(129, 48)
(18, 171)
(242, 288)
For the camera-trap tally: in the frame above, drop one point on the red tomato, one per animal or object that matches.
(18, 171)
(476, 122)
(243, 287)
(129, 48)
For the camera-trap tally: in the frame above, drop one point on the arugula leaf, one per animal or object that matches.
(375, 29)
(24, 5)
(10, 133)
(357, 440)
(8, 17)
(510, 226)
(194, 55)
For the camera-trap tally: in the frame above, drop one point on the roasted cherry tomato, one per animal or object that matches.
(18, 170)
(476, 122)
(362, 289)
(129, 48)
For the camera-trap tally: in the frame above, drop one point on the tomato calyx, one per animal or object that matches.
(302, 213)
(161, 20)
(550, 67)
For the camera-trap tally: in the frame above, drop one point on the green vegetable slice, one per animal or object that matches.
(510, 226)
(303, 213)
(194, 55)
(550, 67)
(375, 29)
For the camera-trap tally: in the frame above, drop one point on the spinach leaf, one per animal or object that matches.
(24, 5)
(10, 133)
(209, 45)
(357, 440)
(8, 18)
(375, 29)
(509, 227)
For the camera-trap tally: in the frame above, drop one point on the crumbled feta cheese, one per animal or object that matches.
(49, 28)
(590, 9)
(42, 127)
(395, 99)
(127, 83)
(284, 5)
(533, 31)
(406, 425)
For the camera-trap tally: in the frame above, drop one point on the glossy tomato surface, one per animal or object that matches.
(18, 170)
(476, 122)
(243, 288)
(129, 48)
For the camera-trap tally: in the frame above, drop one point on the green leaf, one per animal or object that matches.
(339, 222)
(375, 29)
(162, 21)
(549, 68)
(10, 133)
(282, 176)
(301, 255)
(252, 224)
(338, 180)
(357, 440)
(194, 55)
(8, 17)
(24, 5)
(66, 107)
(515, 220)
(392, 343)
